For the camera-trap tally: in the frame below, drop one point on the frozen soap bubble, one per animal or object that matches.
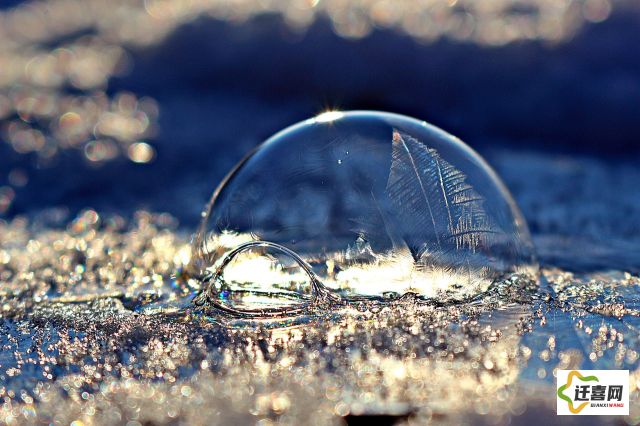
(358, 204)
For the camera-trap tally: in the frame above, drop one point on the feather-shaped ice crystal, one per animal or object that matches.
(373, 204)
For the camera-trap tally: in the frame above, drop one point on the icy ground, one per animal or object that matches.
(72, 337)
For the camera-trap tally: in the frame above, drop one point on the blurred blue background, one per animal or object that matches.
(125, 105)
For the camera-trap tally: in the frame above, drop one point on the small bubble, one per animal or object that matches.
(141, 152)
(18, 178)
(186, 391)
(100, 150)
(7, 194)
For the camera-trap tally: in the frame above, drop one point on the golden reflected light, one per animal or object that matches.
(328, 116)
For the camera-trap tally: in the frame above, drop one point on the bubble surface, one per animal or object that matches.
(371, 204)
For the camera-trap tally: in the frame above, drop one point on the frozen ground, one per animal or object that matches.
(79, 259)
(73, 337)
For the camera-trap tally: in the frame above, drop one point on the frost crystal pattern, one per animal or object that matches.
(421, 182)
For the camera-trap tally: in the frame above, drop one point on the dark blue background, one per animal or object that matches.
(554, 119)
